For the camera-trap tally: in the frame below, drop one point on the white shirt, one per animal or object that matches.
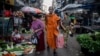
(17, 35)
(17, 21)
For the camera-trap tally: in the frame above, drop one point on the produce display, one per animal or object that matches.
(90, 43)
(15, 49)
(9, 54)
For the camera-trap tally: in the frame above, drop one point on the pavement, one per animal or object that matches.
(72, 49)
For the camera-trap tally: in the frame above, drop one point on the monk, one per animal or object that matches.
(52, 23)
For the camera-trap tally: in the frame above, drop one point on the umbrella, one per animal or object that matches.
(71, 6)
(31, 10)
(37, 10)
(75, 11)
(20, 2)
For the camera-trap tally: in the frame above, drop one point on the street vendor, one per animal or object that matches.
(16, 36)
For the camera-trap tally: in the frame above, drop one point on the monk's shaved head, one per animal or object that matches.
(51, 9)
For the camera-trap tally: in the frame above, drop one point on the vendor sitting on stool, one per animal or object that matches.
(16, 36)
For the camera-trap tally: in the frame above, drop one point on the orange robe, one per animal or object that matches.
(52, 31)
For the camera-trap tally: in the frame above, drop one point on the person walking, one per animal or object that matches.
(65, 23)
(52, 23)
(38, 28)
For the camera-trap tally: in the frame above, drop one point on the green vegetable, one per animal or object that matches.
(15, 49)
(0, 49)
(87, 42)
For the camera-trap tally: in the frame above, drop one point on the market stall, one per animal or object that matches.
(19, 49)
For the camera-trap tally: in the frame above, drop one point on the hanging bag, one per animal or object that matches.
(60, 41)
(34, 39)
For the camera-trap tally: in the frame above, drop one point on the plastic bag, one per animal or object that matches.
(60, 41)
(34, 39)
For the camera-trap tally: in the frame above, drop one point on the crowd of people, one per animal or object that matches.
(49, 25)
(45, 25)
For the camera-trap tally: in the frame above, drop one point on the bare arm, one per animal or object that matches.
(62, 26)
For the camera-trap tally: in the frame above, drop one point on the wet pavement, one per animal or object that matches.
(72, 49)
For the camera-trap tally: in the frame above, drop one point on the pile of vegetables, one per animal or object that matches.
(91, 42)
(10, 47)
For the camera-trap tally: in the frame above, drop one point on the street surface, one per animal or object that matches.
(73, 49)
